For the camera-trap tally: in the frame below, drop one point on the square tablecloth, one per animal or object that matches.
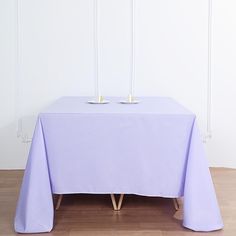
(152, 148)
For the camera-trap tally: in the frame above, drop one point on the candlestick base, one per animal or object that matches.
(98, 100)
(130, 100)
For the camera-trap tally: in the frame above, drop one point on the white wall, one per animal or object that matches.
(56, 59)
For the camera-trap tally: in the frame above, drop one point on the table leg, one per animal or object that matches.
(114, 202)
(176, 204)
(120, 201)
(59, 201)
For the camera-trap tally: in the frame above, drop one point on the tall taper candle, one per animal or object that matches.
(132, 76)
(96, 48)
(98, 98)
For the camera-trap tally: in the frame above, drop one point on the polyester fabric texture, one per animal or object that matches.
(117, 148)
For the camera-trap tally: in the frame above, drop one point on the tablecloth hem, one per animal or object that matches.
(120, 192)
(20, 231)
(212, 228)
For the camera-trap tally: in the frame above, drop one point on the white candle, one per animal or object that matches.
(98, 98)
(96, 49)
(132, 76)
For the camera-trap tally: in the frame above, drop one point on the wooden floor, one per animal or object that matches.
(93, 215)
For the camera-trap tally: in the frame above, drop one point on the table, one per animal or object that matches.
(117, 148)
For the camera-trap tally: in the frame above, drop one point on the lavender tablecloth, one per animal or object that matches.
(152, 149)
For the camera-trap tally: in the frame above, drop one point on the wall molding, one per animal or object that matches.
(18, 73)
(208, 134)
